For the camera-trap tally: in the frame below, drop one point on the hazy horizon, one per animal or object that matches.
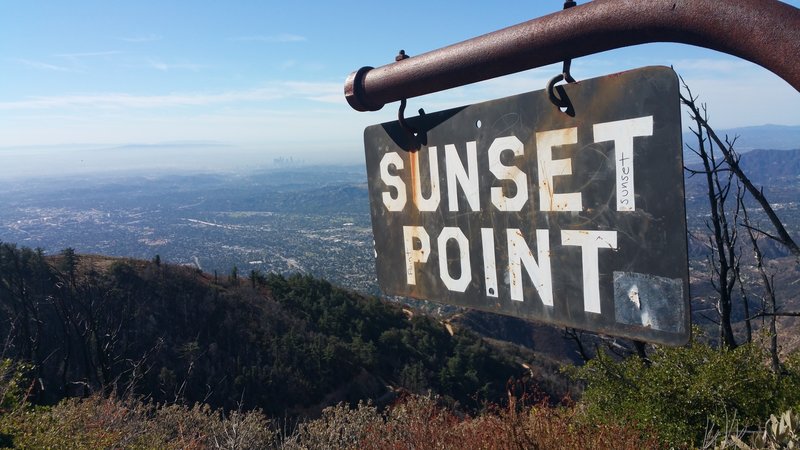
(55, 161)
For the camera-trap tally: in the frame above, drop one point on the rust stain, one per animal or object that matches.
(545, 183)
(413, 163)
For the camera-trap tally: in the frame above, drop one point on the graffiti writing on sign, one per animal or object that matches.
(514, 207)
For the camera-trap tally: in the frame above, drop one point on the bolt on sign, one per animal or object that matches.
(515, 207)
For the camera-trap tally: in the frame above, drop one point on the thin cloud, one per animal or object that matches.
(316, 92)
(143, 38)
(87, 54)
(336, 98)
(165, 67)
(43, 65)
(308, 66)
(279, 38)
(713, 67)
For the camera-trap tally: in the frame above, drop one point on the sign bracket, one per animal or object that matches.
(760, 31)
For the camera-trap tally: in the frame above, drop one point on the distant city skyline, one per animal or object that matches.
(268, 76)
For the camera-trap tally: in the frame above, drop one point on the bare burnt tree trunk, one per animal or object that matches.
(62, 313)
(575, 335)
(91, 302)
(729, 242)
(723, 235)
(722, 238)
(641, 351)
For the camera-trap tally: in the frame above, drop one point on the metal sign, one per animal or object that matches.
(515, 207)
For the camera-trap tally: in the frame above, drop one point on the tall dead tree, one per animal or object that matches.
(722, 242)
(726, 239)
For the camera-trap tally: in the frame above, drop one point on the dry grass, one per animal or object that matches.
(101, 422)
(420, 423)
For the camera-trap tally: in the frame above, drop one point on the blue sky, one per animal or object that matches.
(267, 76)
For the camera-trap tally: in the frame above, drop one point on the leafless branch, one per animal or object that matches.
(732, 159)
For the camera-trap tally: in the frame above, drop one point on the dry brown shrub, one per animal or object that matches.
(108, 422)
(416, 422)
(419, 423)
(243, 430)
(95, 422)
(340, 427)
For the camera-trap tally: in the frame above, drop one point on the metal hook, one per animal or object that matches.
(565, 75)
(401, 118)
(412, 132)
(562, 101)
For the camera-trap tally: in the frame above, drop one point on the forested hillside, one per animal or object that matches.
(284, 345)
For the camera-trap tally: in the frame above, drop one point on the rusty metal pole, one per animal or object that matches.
(766, 32)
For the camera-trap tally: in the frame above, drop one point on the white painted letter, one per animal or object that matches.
(622, 133)
(590, 242)
(519, 254)
(399, 202)
(455, 171)
(503, 172)
(549, 168)
(431, 203)
(460, 284)
(489, 264)
(412, 255)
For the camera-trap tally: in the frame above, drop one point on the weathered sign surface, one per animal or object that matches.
(515, 207)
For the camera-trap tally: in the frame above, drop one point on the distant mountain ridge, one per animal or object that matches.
(778, 137)
(772, 137)
(764, 164)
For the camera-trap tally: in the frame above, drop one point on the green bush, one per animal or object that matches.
(13, 383)
(681, 392)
